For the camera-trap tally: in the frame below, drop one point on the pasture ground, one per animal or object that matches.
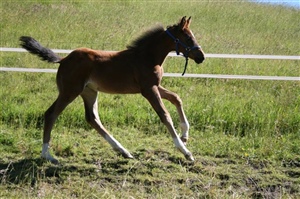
(244, 134)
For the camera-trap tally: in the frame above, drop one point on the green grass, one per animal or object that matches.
(244, 134)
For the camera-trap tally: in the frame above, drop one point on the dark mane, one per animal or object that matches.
(147, 38)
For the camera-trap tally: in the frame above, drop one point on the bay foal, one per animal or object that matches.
(137, 69)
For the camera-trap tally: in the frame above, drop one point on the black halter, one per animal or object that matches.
(187, 49)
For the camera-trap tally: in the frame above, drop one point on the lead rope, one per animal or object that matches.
(186, 63)
(177, 52)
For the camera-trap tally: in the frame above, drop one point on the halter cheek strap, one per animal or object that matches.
(187, 49)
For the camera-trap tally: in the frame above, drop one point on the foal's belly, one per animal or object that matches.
(114, 86)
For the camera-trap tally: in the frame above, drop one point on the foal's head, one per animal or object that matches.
(185, 41)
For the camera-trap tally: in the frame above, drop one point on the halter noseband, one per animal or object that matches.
(187, 49)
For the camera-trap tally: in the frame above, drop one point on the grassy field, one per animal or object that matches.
(244, 134)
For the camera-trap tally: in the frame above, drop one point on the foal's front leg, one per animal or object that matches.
(153, 96)
(175, 99)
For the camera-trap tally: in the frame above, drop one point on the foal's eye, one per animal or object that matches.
(189, 39)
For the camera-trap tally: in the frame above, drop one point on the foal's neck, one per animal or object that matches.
(161, 48)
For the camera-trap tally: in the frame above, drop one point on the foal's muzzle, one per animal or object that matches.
(199, 60)
(198, 55)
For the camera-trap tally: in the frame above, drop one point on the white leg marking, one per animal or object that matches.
(117, 146)
(46, 154)
(181, 147)
(179, 144)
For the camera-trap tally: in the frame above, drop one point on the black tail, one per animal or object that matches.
(32, 46)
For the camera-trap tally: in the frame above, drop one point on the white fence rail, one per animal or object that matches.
(233, 56)
(216, 76)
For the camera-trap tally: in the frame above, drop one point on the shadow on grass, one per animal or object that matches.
(27, 171)
(155, 168)
(32, 170)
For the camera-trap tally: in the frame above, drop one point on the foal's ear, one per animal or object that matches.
(182, 23)
(188, 22)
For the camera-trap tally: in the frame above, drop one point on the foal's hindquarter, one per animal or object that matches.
(84, 72)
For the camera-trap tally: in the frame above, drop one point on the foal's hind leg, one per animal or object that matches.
(89, 97)
(50, 117)
(175, 99)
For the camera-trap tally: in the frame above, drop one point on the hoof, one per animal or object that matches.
(127, 155)
(124, 153)
(52, 160)
(189, 157)
(48, 157)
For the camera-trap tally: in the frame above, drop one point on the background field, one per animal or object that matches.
(244, 134)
